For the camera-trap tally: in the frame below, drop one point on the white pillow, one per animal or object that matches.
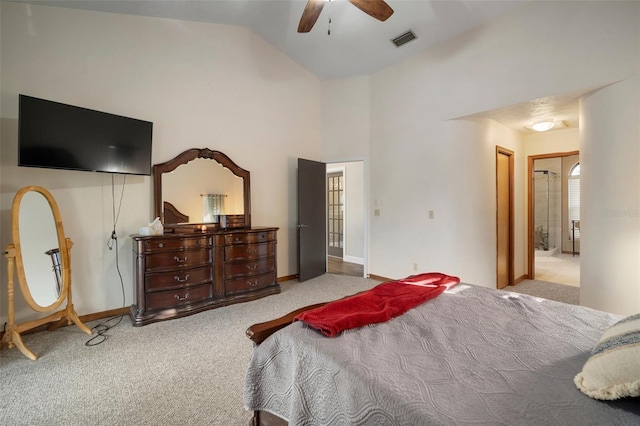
(613, 369)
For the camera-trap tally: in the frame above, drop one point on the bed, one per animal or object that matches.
(471, 355)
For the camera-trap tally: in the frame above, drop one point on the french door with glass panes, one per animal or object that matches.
(335, 216)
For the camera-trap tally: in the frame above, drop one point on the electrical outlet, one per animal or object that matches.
(431, 214)
(376, 212)
(415, 266)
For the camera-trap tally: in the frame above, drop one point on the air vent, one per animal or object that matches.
(404, 38)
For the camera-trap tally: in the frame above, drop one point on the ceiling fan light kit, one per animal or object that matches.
(378, 9)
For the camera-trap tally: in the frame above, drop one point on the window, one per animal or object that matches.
(574, 202)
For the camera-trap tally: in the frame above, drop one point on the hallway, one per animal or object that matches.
(560, 268)
(336, 265)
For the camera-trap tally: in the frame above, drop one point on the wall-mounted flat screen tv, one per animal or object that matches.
(60, 136)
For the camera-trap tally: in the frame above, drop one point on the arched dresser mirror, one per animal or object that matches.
(182, 195)
(40, 255)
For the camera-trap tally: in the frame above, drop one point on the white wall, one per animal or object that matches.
(355, 221)
(561, 140)
(420, 161)
(346, 118)
(464, 203)
(202, 85)
(610, 198)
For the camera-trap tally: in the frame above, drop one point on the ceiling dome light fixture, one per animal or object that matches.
(543, 126)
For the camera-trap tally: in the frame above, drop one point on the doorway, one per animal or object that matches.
(553, 224)
(346, 218)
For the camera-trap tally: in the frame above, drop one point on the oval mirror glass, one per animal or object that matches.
(40, 269)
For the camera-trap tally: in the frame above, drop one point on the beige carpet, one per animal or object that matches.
(546, 290)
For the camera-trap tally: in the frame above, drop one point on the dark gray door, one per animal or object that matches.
(312, 205)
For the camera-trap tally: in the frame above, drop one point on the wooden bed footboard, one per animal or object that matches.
(263, 418)
(172, 215)
(259, 332)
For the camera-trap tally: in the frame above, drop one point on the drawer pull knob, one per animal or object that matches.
(236, 239)
(252, 283)
(181, 280)
(177, 259)
(161, 245)
(249, 251)
(250, 267)
(179, 299)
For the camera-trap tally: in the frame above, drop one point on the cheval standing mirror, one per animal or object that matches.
(40, 254)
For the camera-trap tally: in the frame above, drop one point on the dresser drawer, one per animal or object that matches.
(248, 268)
(175, 298)
(185, 243)
(179, 278)
(242, 285)
(182, 273)
(249, 238)
(249, 251)
(178, 259)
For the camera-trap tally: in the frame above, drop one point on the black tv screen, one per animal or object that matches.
(60, 136)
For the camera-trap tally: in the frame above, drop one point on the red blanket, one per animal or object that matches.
(380, 304)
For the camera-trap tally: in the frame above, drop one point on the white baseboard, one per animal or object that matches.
(353, 259)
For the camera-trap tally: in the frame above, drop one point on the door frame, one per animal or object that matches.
(504, 151)
(337, 165)
(530, 207)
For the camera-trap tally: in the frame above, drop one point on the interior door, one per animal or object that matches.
(335, 220)
(504, 216)
(312, 219)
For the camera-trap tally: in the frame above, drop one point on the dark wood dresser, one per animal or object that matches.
(179, 274)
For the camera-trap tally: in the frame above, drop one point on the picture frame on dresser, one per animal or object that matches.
(196, 265)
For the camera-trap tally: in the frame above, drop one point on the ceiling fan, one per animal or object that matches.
(378, 9)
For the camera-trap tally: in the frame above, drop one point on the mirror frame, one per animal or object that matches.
(62, 246)
(13, 254)
(192, 154)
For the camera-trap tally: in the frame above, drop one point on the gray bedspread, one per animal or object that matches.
(470, 356)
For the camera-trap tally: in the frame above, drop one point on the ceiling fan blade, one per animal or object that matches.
(379, 9)
(310, 15)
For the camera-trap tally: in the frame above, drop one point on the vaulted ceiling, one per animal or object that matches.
(357, 44)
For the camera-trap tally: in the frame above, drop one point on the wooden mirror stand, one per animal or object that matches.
(30, 215)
